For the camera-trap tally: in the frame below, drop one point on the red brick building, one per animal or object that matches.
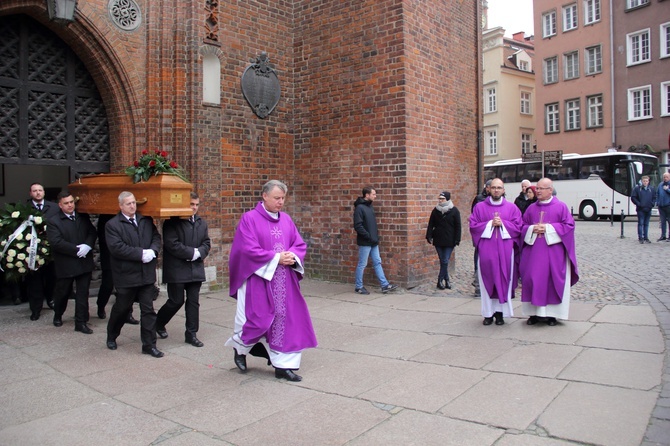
(383, 92)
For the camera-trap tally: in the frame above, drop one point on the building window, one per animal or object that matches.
(638, 47)
(523, 65)
(572, 115)
(593, 60)
(571, 65)
(551, 70)
(551, 118)
(570, 17)
(491, 100)
(491, 142)
(635, 3)
(665, 99)
(591, 11)
(549, 24)
(665, 40)
(595, 116)
(639, 103)
(525, 103)
(526, 145)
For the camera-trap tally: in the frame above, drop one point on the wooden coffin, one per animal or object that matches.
(163, 196)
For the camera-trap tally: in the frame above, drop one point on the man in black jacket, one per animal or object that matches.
(186, 243)
(134, 243)
(40, 283)
(367, 240)
(72, 236)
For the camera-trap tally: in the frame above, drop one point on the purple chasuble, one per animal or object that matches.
(542, 266)
(274, 309)
(495, 253)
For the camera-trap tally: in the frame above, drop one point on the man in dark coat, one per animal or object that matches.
(186, 243)
(72, 236)
(134, 243)
(40, 283)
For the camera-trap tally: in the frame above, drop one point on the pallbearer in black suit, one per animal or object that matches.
(40, 283)
(186, 243)
(72, 236)
(134, 243)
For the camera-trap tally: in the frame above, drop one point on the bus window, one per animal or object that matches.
(622, 176)
(508, 174)
(592, 166)
(531, 172)
(489, 173)
(568, 171)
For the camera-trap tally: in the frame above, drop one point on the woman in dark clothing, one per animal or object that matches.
(444, 232)
(531, 197)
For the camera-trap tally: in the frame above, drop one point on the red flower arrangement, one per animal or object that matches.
(153, 163)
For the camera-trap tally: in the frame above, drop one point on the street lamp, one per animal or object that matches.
(61, 10)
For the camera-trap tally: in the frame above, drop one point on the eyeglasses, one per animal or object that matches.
(542, 188)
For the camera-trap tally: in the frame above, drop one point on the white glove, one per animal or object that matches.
(148, 255)
(83, 250)
(196, 255)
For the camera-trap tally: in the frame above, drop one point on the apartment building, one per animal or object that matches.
(509, 95)
(641, 43)
(603, 75)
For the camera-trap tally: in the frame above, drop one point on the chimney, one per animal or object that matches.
(519, 37)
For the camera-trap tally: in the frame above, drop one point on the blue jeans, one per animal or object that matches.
(664, 213)
(444, 253)
(363, 253)
(643, 224)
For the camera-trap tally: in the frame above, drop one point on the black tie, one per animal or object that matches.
(132, 220)
(72, 217)
(192, 220)
(39, 207)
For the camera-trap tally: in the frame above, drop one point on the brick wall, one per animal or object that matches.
(377, 92)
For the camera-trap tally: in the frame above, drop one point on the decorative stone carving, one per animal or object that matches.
(212, 20)
(260, 86)
(125, 14)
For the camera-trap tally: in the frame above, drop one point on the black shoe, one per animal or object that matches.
(161, 333)
(647, 240)
(17, 301)
(385, 289)
(132, 321)
(488, 321)
(101, 312)
(50, 303)
(195, 342)
(641, 241)
(499, 318)
(240, 361)
(58, 322)
(288, 375)
(448, 284)
(361, 290)
(551, 321)
(153, 351)
(83, 328)
(34, 316)
(111, 345)
(440, 285)
(660, 239)
(532, 320)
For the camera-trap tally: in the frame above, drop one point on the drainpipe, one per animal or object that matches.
(612, 98)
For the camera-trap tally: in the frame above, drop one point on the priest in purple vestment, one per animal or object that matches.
(266, 266)
(548, 261)
(495, 226)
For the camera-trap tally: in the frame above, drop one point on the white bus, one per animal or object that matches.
(591, 185)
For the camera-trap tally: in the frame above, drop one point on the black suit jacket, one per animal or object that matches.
(126, 243)
(64, 235)
(49, 208)
(180, 238)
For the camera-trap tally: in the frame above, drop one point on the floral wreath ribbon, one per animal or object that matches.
(33, 242)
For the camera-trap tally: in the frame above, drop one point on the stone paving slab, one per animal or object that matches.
(599, 414)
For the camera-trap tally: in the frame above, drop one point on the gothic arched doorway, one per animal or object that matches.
(51, 113)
